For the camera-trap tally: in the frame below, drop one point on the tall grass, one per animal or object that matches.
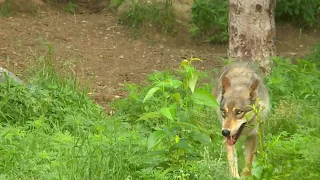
(50, 129)
(53, 130)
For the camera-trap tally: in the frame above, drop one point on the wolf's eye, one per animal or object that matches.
(238, 112)
(223, 112)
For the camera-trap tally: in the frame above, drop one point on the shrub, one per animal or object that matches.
(306, 13)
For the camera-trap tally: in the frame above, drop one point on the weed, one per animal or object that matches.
(71, 7)
(295, 103)
(166, 129)
(55, 130)
(289, 129)
(211, 19)
(175, 138)
(143, 11)
(307, 13)
(115, 3)
(303, 72)
(5, 10)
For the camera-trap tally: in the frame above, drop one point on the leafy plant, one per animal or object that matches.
(179, 133)
(211, 17)
(143, 11)
(5, 10)
(305, 73)
(71, 7)
(115, 3)
(307, 13)
(166, 129)
(261, 168)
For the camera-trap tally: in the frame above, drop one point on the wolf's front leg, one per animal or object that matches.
(249, 150)
(233, 160)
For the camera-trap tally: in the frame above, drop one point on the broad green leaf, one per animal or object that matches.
(257, 169)
(177, 97)
(182, 145)
(170, 83)
(188, 69)
(155, 138)
(167, 113)
(149, 115)
(173, 108)
(150, 93)
(200, 125)
(158, 152)
(185, 124)
(203, 97)
(169, 132)
(183, 116)
(201, 137)
(193, 81)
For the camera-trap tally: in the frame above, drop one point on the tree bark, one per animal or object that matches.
(252, 31)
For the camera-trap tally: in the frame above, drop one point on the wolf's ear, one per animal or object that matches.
(225, 84)
(253, 88)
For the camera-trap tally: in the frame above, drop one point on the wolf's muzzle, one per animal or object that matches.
(225, 132)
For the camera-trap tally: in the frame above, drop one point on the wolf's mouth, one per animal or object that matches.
(231, 140)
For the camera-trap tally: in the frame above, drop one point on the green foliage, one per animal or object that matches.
(71, 7)
(305, 74)
(210, 18)
(294, 88)
(292, 128)
(315, 56)
(52, 130)
(143, 11)
(307, 13)
(115, 3)
(178, 133)
(166, 129)
(5, 9)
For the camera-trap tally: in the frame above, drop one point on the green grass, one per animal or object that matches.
(144, 13)
(55, 131)
(210, 17)
(5, 9)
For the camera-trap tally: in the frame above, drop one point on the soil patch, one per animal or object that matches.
(104, 54)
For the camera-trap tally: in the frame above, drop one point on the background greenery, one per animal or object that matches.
(210, 17)
(166, 129)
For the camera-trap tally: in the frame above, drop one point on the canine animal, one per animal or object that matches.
(237, 88)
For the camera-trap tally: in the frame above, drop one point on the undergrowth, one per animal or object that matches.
(167, 129)
(209, 18)
(143, 12)
(5, 8)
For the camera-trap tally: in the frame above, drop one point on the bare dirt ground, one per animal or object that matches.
(104, 54)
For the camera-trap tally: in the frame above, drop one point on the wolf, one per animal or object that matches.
(237, 88)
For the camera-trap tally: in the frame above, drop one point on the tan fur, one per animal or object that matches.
(237, 87)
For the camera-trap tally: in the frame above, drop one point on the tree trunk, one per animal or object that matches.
(252, 31)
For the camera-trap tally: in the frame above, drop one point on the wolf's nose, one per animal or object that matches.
(225, 132)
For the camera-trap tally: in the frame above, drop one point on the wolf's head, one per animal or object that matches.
(235, 107)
